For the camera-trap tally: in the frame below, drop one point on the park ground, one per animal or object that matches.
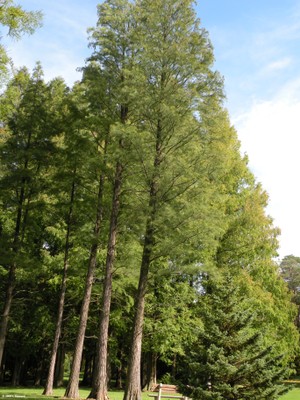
(29, 393)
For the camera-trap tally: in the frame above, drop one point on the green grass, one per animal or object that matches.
(293, 394)
(35, 393)
(16, 393)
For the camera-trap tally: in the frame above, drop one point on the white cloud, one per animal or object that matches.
(270, 135)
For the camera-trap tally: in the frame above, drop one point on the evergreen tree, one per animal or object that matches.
(173, 77)
(170, 298)
(231, 359)
(66, 192)
(29, 123)
(108, 80)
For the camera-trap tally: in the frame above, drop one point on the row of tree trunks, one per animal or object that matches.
(72, 390)
(48, 390)
(99, 387)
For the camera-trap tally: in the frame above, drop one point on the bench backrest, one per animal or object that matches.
(165, 388)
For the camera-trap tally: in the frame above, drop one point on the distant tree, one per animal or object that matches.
(231, 359)
(290, 271)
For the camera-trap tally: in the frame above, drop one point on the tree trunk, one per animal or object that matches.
(119, 371)
(133, 382)
(2, 370)
(133, 385)
(72, 390)
(7, 306)
(39, 372)
(12, 274)
(16, 378)
(88, 370)
(50, 378)
(174, 367)
(151, 370)
(15, 247)
(99, 388)
(60, 367)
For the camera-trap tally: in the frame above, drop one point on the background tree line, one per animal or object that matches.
(134, 240)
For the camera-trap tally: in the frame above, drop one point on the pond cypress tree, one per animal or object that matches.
(173, 76)
(109, 70)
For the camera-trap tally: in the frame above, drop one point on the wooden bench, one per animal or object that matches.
(165, 391)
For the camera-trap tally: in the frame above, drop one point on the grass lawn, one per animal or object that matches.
(11, 393)
(293, 394)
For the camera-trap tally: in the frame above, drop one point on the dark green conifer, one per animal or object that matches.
(230, 360)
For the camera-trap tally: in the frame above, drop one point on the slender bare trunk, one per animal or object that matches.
(133, 383)
(99, 387)
(72, 390)
(60, 366)
(15, 247)
(18, 365)
(151, 361)
(11, 282)
(119, 373)
(7, 308)
(100, 377)
(50, 378)
(88, 369)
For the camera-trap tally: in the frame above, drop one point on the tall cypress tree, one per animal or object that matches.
(109, 69)
(173, 77)
(67, 176)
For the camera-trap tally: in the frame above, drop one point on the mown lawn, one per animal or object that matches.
(17, 393)
(293, 394)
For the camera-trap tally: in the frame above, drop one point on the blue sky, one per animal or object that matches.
(256, 46)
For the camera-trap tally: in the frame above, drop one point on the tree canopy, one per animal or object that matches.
(16, 22)
(134, 239)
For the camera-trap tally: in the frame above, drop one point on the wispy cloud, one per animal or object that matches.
(278, 65)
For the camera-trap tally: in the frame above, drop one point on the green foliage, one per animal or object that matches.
(231, 359)
(170, 320)
(150, 100)
(17, 21)
(290, 271)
